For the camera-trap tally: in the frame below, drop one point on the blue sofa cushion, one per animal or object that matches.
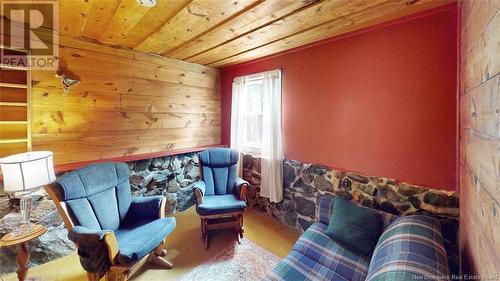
(220, 169)
(137, 240)
(411, 248)
(220, 204)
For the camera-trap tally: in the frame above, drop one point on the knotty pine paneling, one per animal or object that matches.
(480, 137)
(127, 103)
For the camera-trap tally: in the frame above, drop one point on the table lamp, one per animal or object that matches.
(23, 172)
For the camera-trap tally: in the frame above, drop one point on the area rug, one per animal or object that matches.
(245, 262)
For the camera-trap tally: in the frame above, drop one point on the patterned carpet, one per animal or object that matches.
(244, 262)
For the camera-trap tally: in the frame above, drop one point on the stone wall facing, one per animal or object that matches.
(305, 184)
(171, 176)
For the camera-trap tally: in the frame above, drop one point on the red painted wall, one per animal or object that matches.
(381, 102)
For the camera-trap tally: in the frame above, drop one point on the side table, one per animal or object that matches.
(23, 255)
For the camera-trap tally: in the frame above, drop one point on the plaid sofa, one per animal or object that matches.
(410, 248)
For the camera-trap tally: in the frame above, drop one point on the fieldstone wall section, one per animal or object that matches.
(171, 176)
(305, 185)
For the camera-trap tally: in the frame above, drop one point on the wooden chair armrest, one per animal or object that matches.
(243, 192)
(112, 244)
(161, 215)
(198, 196)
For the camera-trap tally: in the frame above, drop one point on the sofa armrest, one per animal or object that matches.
(199, 191)
(410, 230)
(241, 187)
(146, 208)
(97, 249)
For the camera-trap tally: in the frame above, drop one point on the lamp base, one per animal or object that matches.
(25, 227)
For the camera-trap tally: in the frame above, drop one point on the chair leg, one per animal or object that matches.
(204, 230)
(238, 236)
(240, 224)
(159, 261)
(237, 228)
(202, 226)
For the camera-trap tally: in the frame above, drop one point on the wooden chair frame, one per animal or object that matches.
(227, 220)
(116, 272)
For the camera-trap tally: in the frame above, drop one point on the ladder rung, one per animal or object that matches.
(13, 141)
(13, 67)
(13, 104)
(13, 85)
(13, 49)
(13, 122)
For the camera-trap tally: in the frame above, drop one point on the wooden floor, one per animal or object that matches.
(186, 249)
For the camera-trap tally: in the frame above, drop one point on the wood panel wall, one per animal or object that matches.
(128, 103)
(480, 137)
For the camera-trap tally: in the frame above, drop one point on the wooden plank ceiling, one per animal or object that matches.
(220, 33)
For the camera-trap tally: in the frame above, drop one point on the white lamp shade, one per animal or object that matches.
(27, 170)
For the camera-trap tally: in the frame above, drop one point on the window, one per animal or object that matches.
(256, 126)
(252, 116)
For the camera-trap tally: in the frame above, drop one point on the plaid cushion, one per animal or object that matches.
(411, 248)
(298, 267)
(316, 245)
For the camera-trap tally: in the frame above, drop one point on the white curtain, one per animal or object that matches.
(272, 146)
(271, 152)
(237, 109)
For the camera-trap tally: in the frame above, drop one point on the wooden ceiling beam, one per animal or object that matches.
(193, 20)
(369, 17)
(303, 20)
(261, 15)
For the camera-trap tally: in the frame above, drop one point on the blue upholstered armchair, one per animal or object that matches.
(221, 194)
(114, 232)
